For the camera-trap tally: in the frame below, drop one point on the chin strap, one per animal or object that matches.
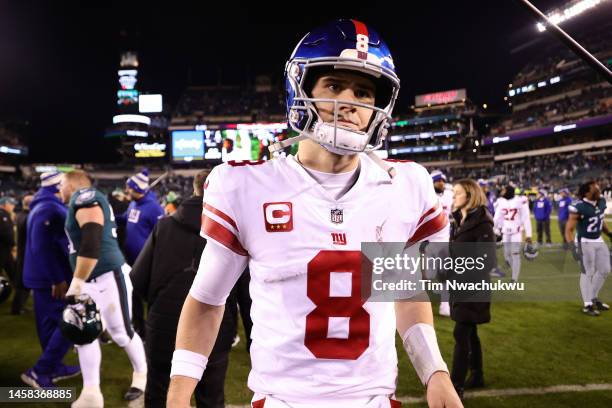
(277, 146)
(388, 169)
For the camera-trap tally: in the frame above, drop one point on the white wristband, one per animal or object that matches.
(188, 364)
(422, 346)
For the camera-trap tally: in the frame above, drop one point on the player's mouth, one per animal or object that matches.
(347, 123)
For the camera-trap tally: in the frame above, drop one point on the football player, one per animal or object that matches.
(511, 219)
(100, 271)
(489, 193)
(446, 200)
(589, 249)
(445, 193)
(299, 222)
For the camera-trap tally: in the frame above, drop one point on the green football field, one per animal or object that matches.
(529, 345)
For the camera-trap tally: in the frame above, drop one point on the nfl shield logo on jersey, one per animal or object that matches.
(336, 216)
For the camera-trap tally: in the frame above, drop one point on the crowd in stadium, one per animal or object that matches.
(588, 102)
(224, 100)
(552, 172)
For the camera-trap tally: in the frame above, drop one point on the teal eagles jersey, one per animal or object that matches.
(111, 257)
(590, 218)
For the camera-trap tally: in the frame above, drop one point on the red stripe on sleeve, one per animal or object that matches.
(429, 228)
(221, 215)
(222, 235)
(428, 213)
(259, 403)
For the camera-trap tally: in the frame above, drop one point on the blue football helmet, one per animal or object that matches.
(340, 45)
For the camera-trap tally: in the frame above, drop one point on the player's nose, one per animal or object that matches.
(347, 95)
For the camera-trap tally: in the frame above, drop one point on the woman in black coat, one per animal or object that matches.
(472, 236)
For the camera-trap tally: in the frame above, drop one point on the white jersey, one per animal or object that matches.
(512, 216)
(312, 333)
(446, 200)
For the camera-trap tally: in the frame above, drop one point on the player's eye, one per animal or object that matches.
(364, 94)
(334, 87)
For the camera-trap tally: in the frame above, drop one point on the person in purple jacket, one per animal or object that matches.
(563, 213)
(47, 272)
(141, 216)
(541, 211)
(490, 195)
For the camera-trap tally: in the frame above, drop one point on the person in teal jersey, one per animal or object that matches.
(589, 249)
(100, 271)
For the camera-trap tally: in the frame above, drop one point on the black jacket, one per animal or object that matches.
(164, 271)
(7, 237)
(22, 228)
(476, 228)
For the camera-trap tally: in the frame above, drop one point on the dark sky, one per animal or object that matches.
(58, 59)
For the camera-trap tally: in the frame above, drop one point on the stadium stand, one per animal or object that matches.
(263, 101)
(431, 133)
(13, 143)
(558, 87)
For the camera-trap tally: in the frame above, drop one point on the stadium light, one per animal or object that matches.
(44, 169)
(10, 150)
(569, 41)
(150, 103)
(137, 133)
(561, 128)
(560, 15)
(131, 119)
